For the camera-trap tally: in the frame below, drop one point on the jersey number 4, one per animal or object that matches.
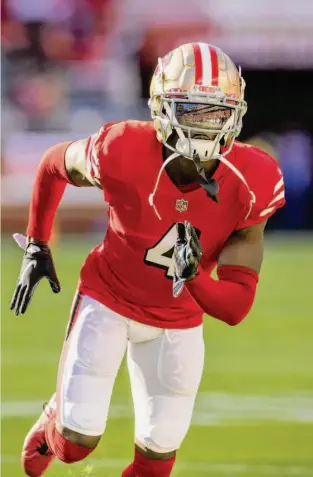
(161, 254)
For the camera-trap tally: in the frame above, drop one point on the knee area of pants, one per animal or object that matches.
(163, 440)
(153, 455)
(178, 388)
(84, 418)
(158, 450)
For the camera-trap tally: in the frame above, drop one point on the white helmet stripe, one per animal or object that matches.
(206, 64)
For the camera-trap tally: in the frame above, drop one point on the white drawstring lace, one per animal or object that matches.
(151, 196)
(223, 160)
(241, 177)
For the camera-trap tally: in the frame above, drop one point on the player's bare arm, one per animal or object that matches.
(245, 248)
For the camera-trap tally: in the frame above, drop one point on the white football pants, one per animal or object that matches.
(165, 369)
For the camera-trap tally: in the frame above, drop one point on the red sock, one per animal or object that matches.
(129, 471)
(144, 467)
(63, 449)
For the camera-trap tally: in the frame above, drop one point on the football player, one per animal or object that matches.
(183, 197)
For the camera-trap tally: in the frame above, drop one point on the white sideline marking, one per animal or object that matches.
(200, 467)
(212, 409)
(225, 409)
(11, 409)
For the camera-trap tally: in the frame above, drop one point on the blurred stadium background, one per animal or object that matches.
(68, 66)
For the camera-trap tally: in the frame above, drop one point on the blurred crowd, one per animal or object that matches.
(53, 59)
(70, 65)
(69, 62)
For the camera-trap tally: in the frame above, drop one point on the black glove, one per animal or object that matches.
(37, 263)
(187, 255)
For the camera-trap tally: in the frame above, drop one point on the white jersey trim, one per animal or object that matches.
(279, 184)
(281, 195)
(267, 211)
(206, 64)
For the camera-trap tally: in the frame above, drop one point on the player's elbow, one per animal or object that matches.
(232, 314)
(237, 310)
(235, 317)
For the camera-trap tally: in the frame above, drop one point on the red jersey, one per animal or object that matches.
(131, 270)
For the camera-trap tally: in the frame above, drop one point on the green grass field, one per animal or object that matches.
(254, 415)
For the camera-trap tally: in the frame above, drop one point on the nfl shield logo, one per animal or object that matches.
(181, 205)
